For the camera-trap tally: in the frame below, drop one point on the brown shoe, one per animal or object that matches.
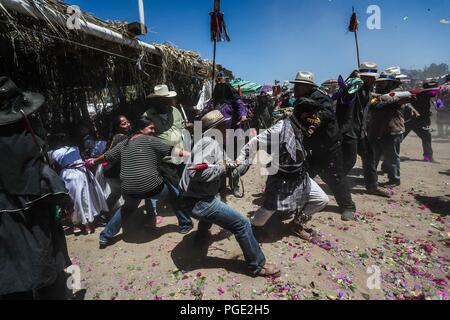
(305, 234)
(268, 270)
(378, 192)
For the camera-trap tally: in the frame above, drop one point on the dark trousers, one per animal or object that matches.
(351, 148)
(389, 147)
(350, 153)
(424, 134)
(330, 168)
(57, 291)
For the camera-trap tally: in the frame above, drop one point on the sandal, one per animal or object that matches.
(268, 270)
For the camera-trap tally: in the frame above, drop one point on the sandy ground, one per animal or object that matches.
(405, 238)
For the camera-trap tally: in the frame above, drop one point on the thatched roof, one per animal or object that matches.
(100, 63)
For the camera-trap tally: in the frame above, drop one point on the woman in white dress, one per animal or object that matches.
(85, 191)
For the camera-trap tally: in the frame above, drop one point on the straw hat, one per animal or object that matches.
(369, 69)
(162, 91)
(330, 83)
(391, 74)
(305, 77)
(212, 120)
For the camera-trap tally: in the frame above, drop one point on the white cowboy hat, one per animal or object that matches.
(162, 91)
(304, 77)
(369, 69)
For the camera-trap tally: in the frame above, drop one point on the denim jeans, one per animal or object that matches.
(389, 146)
(122, 216)
(391, 150)
(213, 211)
(151, 205)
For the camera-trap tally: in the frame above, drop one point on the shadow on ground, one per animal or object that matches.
(438, 205)
(191, 254)
(446, 173)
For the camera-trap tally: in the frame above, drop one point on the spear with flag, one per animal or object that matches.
(219, 32)
(353, 27)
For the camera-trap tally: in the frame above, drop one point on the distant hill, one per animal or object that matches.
(432, 71)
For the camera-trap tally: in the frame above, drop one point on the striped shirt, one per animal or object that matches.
(140, 159)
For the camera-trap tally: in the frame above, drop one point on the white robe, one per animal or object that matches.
(85, 191)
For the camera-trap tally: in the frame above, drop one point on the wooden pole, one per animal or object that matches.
(357, 49)
(356, 40)
(214, 64)
(216, 11)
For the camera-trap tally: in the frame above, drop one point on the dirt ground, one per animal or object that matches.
(406, 239)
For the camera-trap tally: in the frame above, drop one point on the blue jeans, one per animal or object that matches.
(122, 216)
(391, 150)
(151, 206)
(213, 211)
(389, 147)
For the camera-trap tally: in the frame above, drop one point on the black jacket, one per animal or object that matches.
(352, 116)
(423, 106)
(327, 137)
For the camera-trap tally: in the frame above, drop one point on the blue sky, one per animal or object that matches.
(273, 39)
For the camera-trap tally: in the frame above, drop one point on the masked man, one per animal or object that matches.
(324, 145)
(289, 187)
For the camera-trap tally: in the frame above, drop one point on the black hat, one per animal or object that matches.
(430, 85)
(13, 101)
(307, 105)
(222, 75)
(447, 78)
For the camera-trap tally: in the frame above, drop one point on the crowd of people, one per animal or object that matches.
(155, 158)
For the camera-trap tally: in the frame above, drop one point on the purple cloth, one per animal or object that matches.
(267, 88)
(234, 112)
